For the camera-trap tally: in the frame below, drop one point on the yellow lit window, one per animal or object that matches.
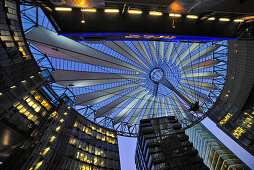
(37, 109)
(30, 116)
(102, 163)
(76, 124)
(88, 131)
(27, 113)
(85, 159)
(73, 141)
(95, 160)
(37, 122)
(45, 151)
(238, 132)
(38, 165)
(32, 92)
(23, 110)
(57, 129)
(37, 97)
(93, 127)
(53, 114)
(46, 104)
(19, 106)
(16, 104)
(81, 157)
(30, 103)
(28, 99)
(52, 138)
(44, 113)
(61, 120)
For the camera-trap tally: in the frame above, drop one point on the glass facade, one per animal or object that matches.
(215, 154)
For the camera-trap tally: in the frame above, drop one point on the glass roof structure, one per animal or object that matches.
(116, 82)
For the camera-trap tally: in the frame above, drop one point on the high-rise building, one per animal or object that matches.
(234, 112)
(162, 144)
(214, 153)
(116, 66)
(55, 136)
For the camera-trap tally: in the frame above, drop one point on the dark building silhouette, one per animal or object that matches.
(162, 144)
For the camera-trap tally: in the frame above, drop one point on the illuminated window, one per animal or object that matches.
(53, 115)
(76, 124)
(95, 160)
(77, 155)
(46, 104)
(45, 151)
(23, 110)
(57, 129)
(227, 117)
(19, 106)
(73, 141)
(52, 138)
(38, 165)
(32, 92)
(43, 113)
(37, 108)
(238, 132)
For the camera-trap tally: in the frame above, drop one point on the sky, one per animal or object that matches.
(127, 147)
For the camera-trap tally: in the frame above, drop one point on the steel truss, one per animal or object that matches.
(122, 128)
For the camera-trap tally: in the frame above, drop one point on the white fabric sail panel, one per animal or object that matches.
(62, 47)
(113, 106)
(148, 108)
(152, 47)
(201, 65)
(84, 75)
(196, 94)
(169, 50)
(161, 50)
(201, 75)
(184, 54)
(142, 49)
(205, 52)
(134, 118)
(82, 78)
(202, 85)
(171, 107)
(101, 95)
(177, 51)
(126, 111)
(182, 112)
(163, 108)
(156, 108)
(123, 49)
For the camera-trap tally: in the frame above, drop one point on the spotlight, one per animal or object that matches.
(155, 13)
(174, 15)
(192, 16)
(111, 10)
(224, 19)
(89, 10)
(63, 9)
(134, 12)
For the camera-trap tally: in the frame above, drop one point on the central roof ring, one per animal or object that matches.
(156, 74)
